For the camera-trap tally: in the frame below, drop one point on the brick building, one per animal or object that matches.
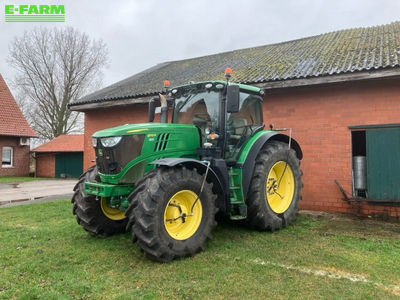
(339, 92)
(60, 157)
(15, 134)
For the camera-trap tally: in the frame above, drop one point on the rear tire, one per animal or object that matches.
(158, 200)
(88, 210)
(270, 205)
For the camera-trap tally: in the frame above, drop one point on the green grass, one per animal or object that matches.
(8, 179)
(46, 254)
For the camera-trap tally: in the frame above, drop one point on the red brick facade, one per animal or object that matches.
(20, 158)
(45, 165)
(319, 116)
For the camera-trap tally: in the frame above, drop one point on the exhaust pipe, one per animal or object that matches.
(152, 109)
(164, 109)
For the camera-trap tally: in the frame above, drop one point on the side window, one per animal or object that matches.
(241, 125)
(7, 157)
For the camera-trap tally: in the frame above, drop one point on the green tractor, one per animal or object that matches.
(166, 181)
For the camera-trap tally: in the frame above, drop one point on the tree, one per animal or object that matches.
(54, 67)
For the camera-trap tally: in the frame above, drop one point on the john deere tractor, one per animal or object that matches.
(166, 181)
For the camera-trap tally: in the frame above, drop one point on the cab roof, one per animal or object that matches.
(243, 87)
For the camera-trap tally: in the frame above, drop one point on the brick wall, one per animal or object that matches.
(45, 164)
(110, 117)
(320, 117)
(20, 157)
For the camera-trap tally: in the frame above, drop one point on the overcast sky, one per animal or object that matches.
(140, 34)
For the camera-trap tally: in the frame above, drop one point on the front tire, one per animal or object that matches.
(275, 188)
(95, 216)
(161, 216)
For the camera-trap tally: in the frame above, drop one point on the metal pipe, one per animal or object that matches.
(360, 173)
(164, 109)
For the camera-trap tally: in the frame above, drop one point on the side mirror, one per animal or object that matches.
(232, 98)
(152, 110)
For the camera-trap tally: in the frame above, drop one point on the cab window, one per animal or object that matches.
(241, 125)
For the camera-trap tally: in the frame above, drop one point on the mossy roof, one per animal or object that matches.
(337, 52)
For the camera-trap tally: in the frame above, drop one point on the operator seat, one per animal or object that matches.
(239, 126)
(196, 114)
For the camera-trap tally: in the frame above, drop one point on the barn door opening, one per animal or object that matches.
(359, 163)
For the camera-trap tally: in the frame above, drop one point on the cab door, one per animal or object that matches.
(242, 125)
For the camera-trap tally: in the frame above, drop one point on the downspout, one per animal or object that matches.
(33, 155)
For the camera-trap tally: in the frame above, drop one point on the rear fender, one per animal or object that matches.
(248, 156)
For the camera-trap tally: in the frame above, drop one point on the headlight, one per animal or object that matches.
(94, 142)
(110, 141)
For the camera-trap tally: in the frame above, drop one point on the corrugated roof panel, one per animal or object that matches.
(338, 52)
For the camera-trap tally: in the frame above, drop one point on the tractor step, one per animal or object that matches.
(236, 187)
(239, 212)
(238, 217)
(236, 202)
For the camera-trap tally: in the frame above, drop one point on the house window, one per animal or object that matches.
(7, 157)
(376, 163)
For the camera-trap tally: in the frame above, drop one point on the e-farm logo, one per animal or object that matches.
(34, 13)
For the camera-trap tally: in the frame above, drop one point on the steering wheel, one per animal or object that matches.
(245, 126)
(203, 116)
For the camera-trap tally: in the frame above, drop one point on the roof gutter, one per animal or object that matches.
(344, 77)
(20, 135)
(105, 103)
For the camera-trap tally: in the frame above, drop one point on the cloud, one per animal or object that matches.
(140, 34)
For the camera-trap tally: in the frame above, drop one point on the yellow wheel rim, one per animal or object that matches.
(179, 222)
(111, 213)
(280, 189)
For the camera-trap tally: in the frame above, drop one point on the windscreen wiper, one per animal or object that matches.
(186, 101)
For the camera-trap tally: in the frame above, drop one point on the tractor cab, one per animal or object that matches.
(225, 120)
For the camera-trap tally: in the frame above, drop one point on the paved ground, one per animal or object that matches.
(37, 200)
(35, 191)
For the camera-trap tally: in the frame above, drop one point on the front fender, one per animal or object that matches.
(201, 168)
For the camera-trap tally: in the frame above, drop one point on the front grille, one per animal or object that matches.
(111, 160)
(161, 143)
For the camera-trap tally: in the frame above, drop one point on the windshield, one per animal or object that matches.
(199, 108)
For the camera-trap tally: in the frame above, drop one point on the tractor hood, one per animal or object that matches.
(124, 153)
(142, 128)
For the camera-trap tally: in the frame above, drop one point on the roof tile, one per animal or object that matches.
(12, 121)
(63, 143)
